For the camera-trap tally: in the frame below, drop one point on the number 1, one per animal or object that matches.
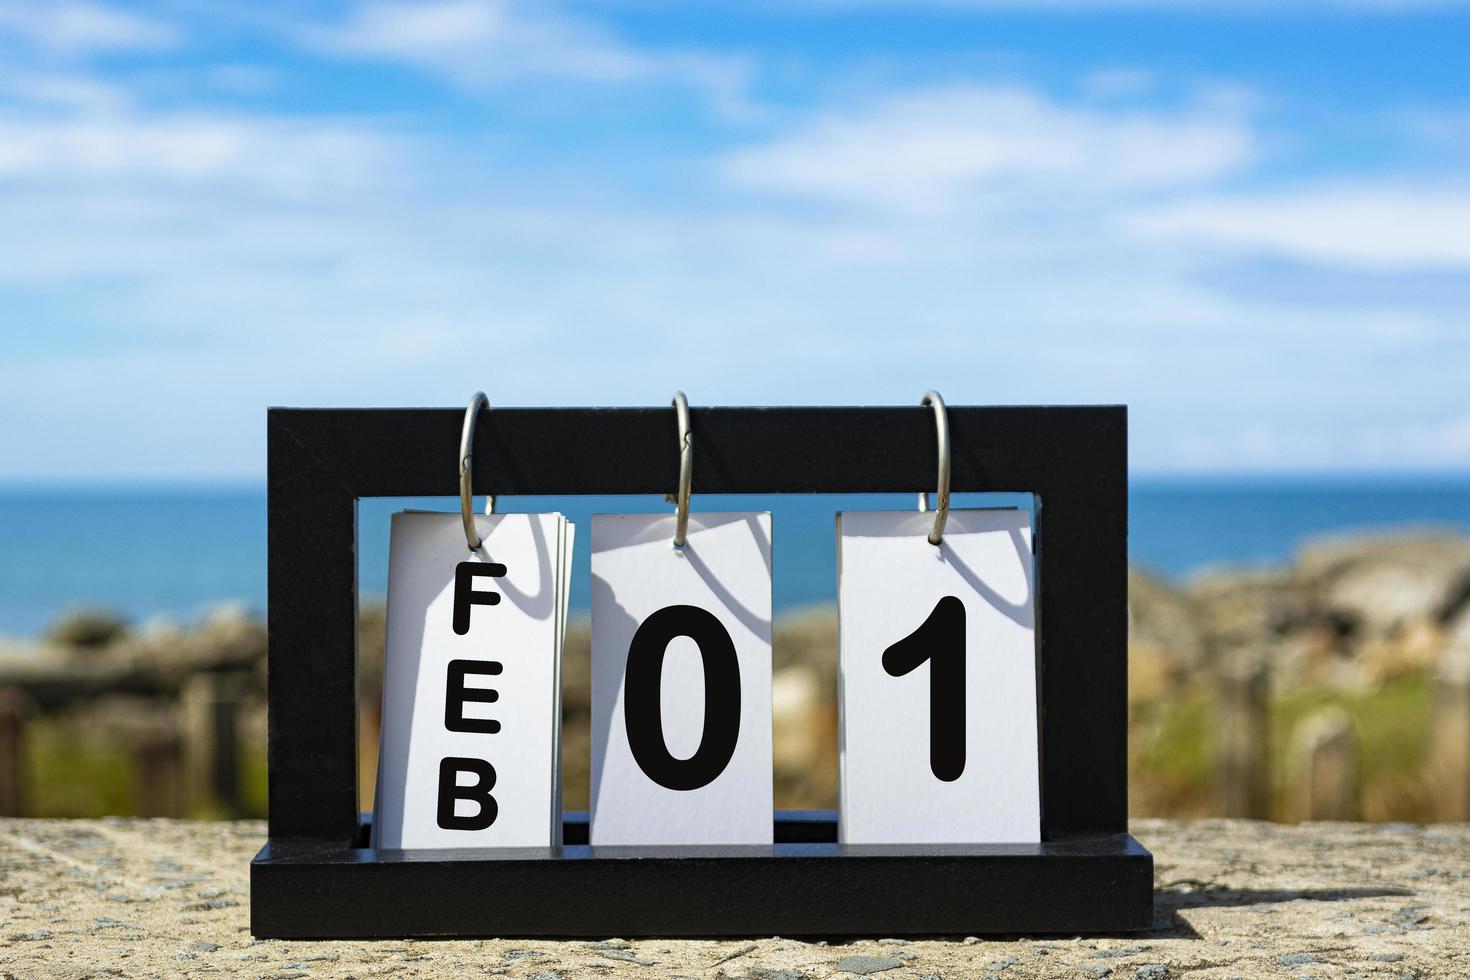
(939, 641)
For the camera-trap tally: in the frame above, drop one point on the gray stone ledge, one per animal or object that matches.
(1234, 899)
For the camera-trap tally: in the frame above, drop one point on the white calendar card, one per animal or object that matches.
(681, 680)
(471, 732)
(937, 657)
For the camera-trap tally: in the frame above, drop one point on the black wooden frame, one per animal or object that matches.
(316, 877)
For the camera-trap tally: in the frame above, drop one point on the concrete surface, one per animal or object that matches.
(142, 898)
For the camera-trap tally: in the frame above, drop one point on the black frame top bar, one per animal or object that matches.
(321, 461)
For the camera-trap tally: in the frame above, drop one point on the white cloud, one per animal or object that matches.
(481, 40)
(1453, 439)
(289, 155)
(52, 91)
(480, 43)
(229, 260)
(1381, 226)
(1225, 446)
(941, 148)
(77, 27)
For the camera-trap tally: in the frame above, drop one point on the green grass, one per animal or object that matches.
(1392, 723)
(252, 781)
(1172, 754)
(1172, 749)
(68, 777)
(71, 775)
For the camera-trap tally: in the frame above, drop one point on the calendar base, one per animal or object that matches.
(805, 885)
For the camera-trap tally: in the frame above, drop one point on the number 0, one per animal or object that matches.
(642, 697)
(939, 640)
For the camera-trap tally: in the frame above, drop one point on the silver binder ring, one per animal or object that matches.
(941, 428)
(686, 471)
(466, 471)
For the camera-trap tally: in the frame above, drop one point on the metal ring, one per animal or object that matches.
(941, 428)
(466, 467)
(686, 470)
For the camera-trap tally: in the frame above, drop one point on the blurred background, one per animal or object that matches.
(1249, 222)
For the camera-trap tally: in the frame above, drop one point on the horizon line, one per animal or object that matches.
(1141, 478)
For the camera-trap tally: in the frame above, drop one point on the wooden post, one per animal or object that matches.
(1242, 735)
(1450, 753)
(211, 709)
(14, 711)
(1324, 767)
(158, 790)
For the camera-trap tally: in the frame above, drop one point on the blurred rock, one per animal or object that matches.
(804, 738)
(798, 705)
(1248, 606)
(1165, 640)
(1152, 674)
(809, 639)
(1380, 583)
(1352, 611)
(1457, 630)
(87, 629)
(161, 629)
(804, 708)
(226, 616)
(1414, 649)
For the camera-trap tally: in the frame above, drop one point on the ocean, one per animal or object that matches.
(174, 552)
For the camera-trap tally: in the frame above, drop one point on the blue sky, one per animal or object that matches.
(1250, 222)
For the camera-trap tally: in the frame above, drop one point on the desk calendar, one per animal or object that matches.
(983, 661)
